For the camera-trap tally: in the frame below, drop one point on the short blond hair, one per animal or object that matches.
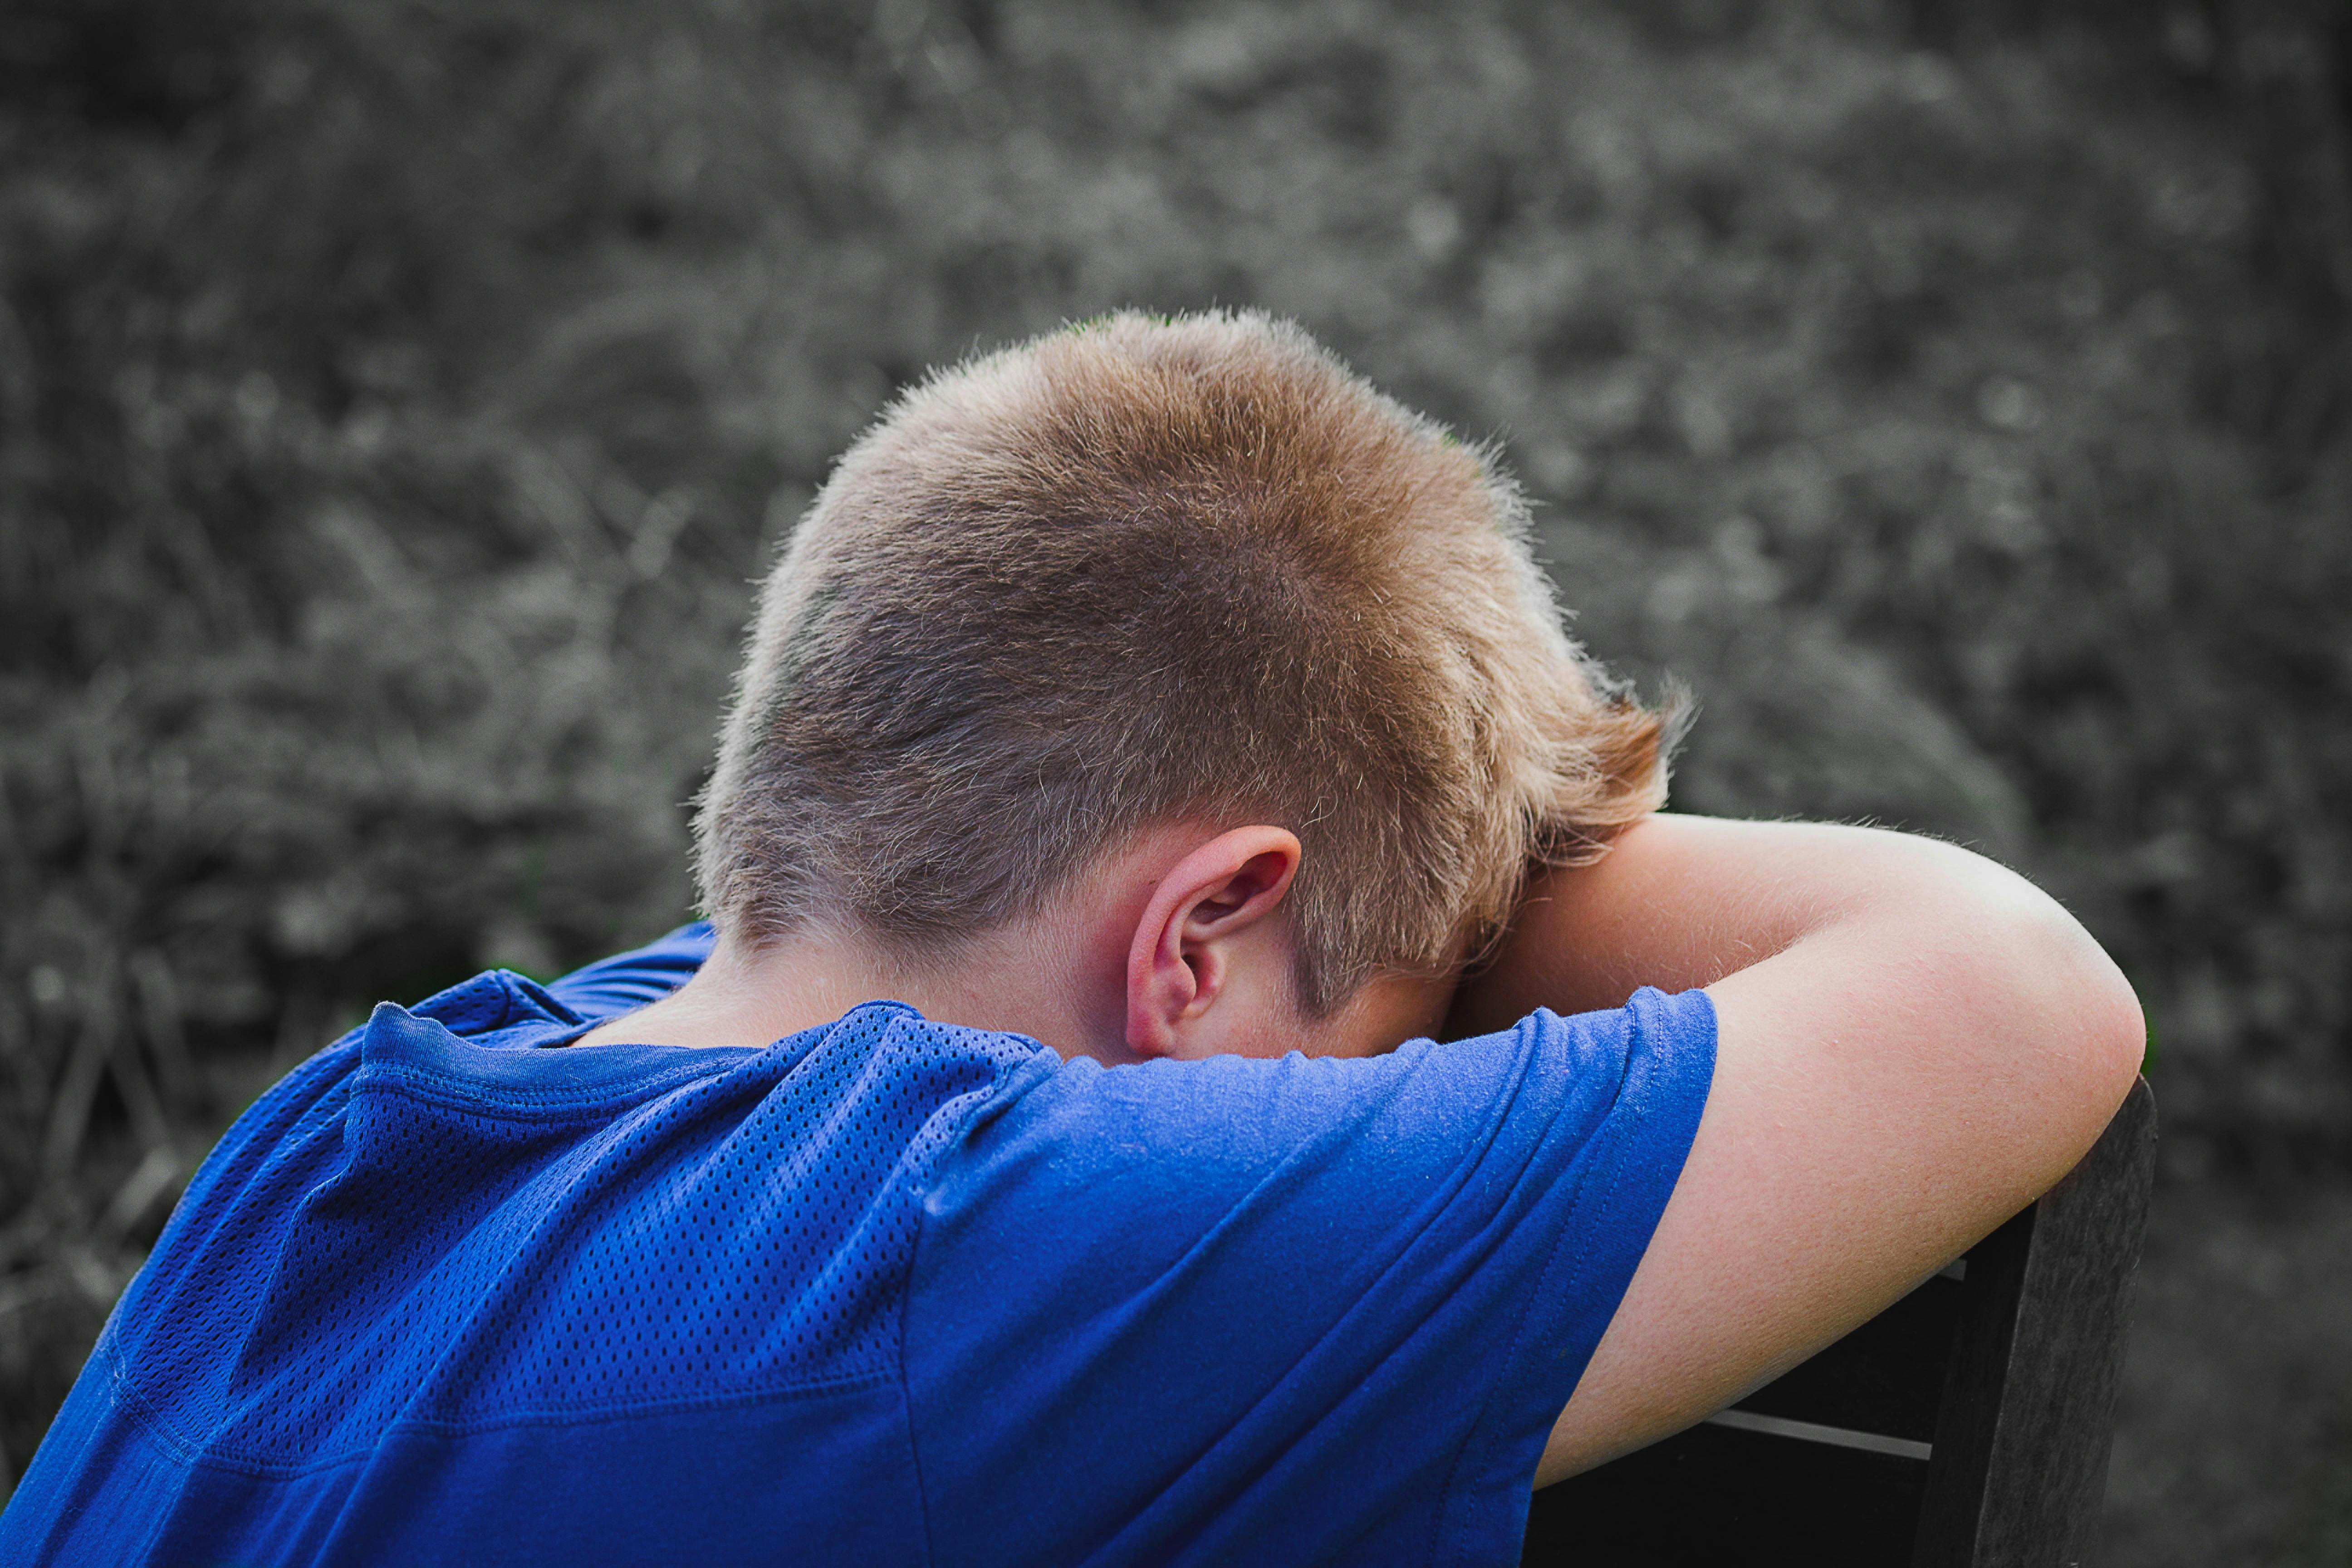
(1145, 570)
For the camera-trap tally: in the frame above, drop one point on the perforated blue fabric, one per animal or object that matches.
(887, 1292)
(440, 1251)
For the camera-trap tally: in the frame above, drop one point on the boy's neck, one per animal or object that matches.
(1061, 977)
(751, 997)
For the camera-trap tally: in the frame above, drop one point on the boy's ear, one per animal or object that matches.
(1184, 948)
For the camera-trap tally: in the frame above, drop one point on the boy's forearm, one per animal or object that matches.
(1683, 901)
(1676, 903)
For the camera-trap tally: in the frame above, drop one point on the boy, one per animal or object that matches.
(1163, 722)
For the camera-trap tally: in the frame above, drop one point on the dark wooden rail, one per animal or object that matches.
(1966, 1426)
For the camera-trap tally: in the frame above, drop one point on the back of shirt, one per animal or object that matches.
(886, 1291)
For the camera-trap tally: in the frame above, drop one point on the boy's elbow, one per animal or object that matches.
(2045, 1019)
(2086, 1020)
(2116, 1030)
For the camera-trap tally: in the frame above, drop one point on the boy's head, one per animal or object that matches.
(1142, 571)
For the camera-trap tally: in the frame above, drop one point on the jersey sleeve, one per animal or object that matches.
(1256, 1307)
(631, 980)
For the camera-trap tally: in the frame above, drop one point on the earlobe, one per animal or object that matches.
(1178, 963)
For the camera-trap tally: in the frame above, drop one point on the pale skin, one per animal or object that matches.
(1913, 1043)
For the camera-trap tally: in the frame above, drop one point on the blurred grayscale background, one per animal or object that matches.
(396, 396)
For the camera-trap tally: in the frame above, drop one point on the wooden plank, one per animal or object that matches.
(2028, 1408)
(1815, 1432)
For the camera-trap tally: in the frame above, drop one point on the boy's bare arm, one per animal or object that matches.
(1913, 1043)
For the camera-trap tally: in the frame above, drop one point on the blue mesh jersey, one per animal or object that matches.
(887, 1291)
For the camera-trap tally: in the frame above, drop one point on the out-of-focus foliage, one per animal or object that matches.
(396, 398)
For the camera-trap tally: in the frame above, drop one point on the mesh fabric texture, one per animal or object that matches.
(442, 1254)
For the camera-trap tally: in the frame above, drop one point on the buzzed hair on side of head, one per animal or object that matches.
(1147, 570)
